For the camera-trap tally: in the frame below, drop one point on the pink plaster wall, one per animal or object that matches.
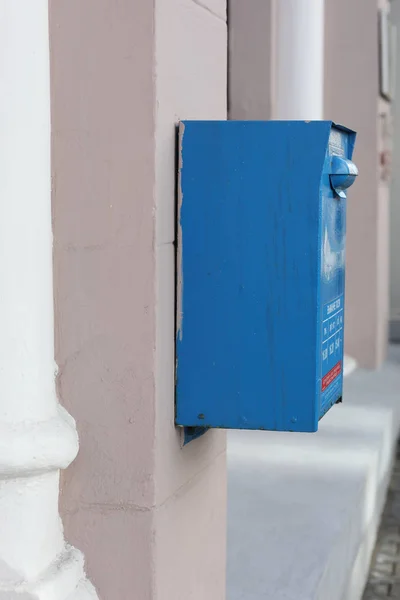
(149, 516)
(104, 267)
(190, 484)
(251, 27)
(351, 97)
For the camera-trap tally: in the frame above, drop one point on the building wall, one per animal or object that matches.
(351, 98)
(149, 515)
(395, 192)
(250, 89)
(190, 484)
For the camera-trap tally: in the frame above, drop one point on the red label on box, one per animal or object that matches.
(331, 376)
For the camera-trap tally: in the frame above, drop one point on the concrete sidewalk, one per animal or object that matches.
(384, 575)
(303, 510)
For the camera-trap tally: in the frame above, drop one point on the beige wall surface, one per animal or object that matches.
(190, 485)
(149, 515)
(351, 98)
(250, 59)
(395, 192)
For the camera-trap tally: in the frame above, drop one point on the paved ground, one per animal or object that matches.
(384, 579)
(303, 509)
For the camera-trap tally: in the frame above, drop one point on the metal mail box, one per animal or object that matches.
(261, 245)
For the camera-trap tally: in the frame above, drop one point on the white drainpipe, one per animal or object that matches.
(37, 437)
(299, 59)
(299, 69)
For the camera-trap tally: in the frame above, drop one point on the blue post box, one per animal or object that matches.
(261, 272)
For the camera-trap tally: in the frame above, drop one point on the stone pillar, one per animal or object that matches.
(37, 436)
(149, 515)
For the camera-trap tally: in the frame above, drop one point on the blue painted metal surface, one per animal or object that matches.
(343, 174)
(261, 251)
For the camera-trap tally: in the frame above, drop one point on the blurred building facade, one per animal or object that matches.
(395, 197)
(346, 86)
(92, 94)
